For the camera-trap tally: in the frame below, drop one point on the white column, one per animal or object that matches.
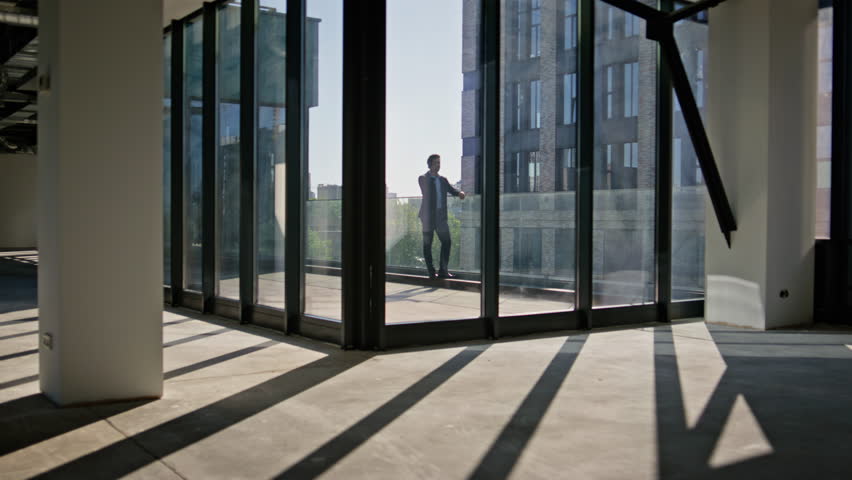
(100, 191)
(762, 126)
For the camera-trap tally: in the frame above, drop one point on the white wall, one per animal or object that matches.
(762, 126)
(18, 201)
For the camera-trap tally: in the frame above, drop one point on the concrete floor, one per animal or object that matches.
(655, 401)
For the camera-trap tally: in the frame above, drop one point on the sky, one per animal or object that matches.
(424, 85)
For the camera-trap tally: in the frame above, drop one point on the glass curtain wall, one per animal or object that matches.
(826, 78)
(538, 157)
(323, 208)
(625, 159)
(433, 181)
(192, 110)
(228, 153)
(167, 160)
(270, 168)
(688, 191)
(432, 230)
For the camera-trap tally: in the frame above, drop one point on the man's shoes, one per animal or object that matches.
(443, 274)
(433, 275)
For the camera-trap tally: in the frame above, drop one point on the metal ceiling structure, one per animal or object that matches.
(18, 76)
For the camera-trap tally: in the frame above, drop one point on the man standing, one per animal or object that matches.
(433, 215)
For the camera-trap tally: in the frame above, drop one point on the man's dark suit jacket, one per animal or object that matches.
(427, 207)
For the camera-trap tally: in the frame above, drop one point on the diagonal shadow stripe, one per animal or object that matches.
(172, 373)
(504, 453)
(320, 460)
(177, 322)
(195, 337)
(684, 452)
(18, 354)
(221, 358)
(23, 334)
(15, 322)
(18, 381)
(671, 411)
(199, 424)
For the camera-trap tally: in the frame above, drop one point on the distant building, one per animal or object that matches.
(329, 192)
(538, 148)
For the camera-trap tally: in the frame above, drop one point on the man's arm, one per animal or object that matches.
(453, 191)
(450, 188)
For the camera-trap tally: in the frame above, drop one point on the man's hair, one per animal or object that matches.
(432, 158)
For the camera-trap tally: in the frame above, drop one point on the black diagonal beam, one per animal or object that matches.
(660, 27)
(639, 9)
(691, 10)
(700, 142)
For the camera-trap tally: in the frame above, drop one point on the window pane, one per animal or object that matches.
(688, 189)
(269, 168)
(426, 40)
(228, 154)
(192, 159)
(538, 177)
(325, 165)
(625, 128)
(167, 160)
(824, 72)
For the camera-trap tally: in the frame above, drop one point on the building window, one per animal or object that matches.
(522, 172)
(566, 176)
(570, 24)
(677, 162)
(610, 21)
(609, 91)
(699, 177)
(699, 78)
(533, 172)
(631, 155)
(535, 29)
(519, 103)
(631, 89)
(629, 174)
(519, 29)
(608, 172)
(512, 173)
(569, 98)
(535, 104)
(631, 25)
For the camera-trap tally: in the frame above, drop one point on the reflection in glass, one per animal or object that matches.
(228, 154)
(538, 156)
(625, 157)
(269, 170)
(192, 107)
(688, 189)
(167, 160)
(426, 40)
(323, 210)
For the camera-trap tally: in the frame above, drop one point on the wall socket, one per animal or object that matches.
(47, 340)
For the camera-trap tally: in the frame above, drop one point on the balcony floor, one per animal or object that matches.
(404, 302)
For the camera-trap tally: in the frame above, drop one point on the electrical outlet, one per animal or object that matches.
(47, 340)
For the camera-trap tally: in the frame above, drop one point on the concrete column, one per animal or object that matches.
(762, 126)
(100, 200)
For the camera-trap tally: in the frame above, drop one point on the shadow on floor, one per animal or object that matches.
(800, 400)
